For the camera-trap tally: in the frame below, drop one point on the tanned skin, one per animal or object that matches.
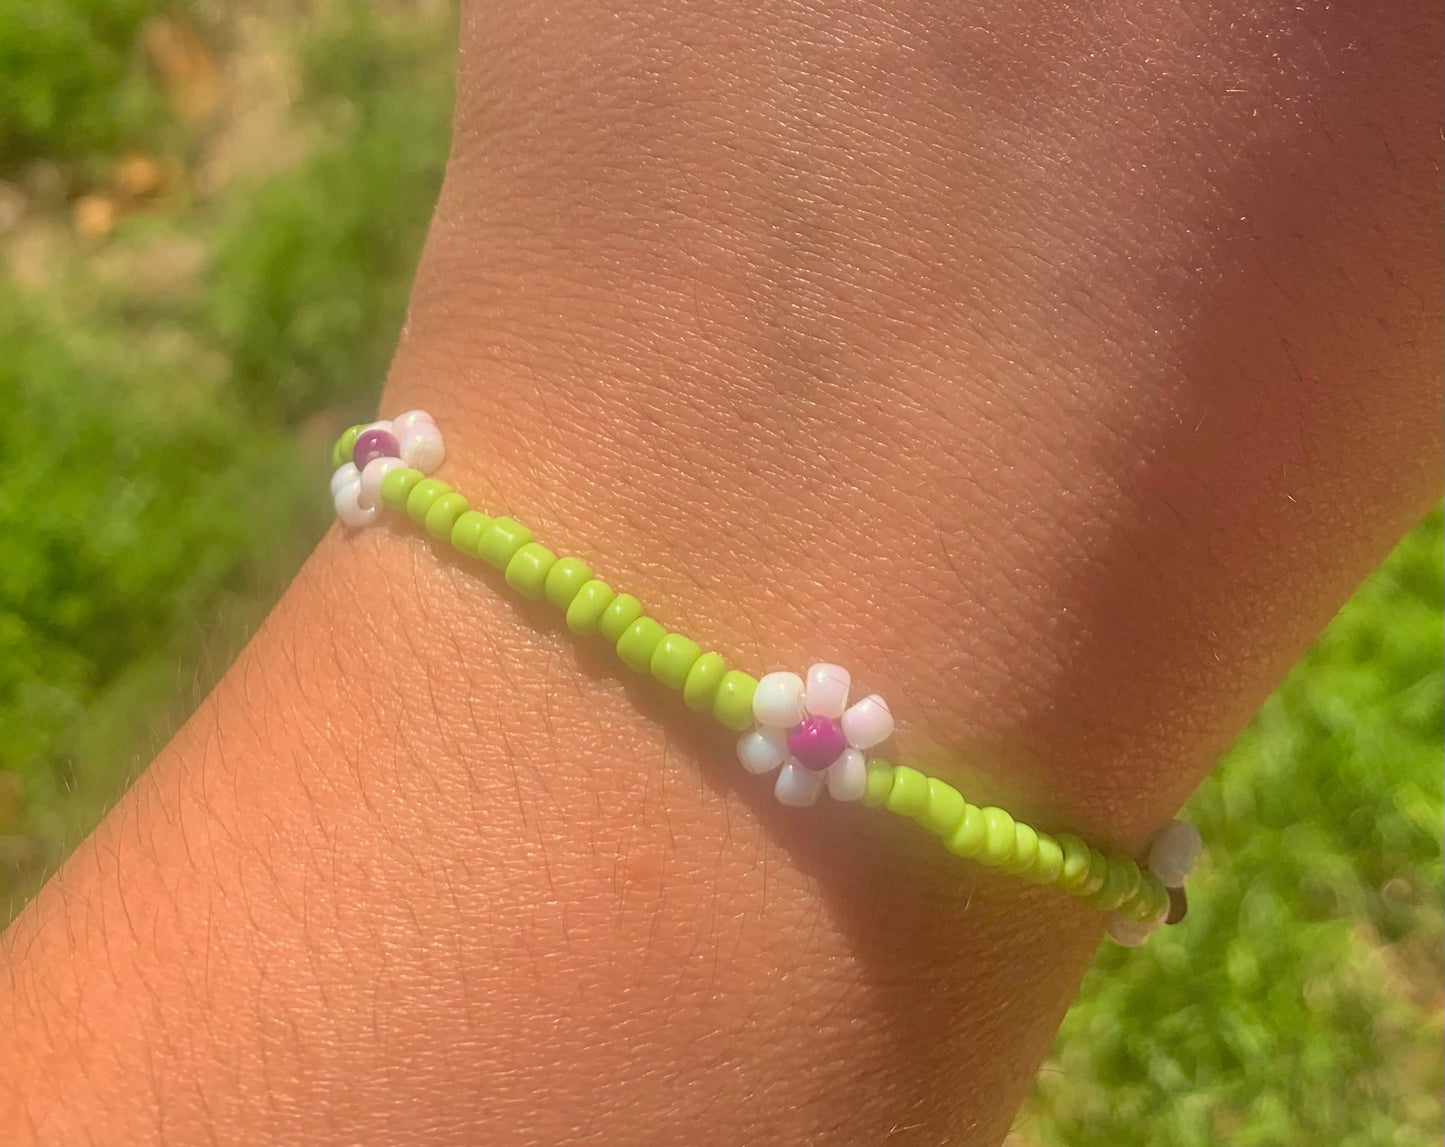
(1059, 368)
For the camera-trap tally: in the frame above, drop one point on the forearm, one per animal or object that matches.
(885, 345)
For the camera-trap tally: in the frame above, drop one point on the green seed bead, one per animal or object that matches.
(945, 808)
(564, 580)
(1129, 904)
(397, 486)
(971, 835)
(702, 682)
(909, 794)
(345, 445)
(1050, 861)
(733, 703)
(624, 610)
(1136, 885)
(587, 607)
(422, 495)
(443, 514)
(1154, 904)
(1121, 884)
(499, 541)
(1026, 848)
(1136, 880)
(880, 783)
(1110, 891)
(1137, 908)
(467, 531)
(1141, 906)
(1098, 873)
(1162, 899)
(999, 838)
(1075, 872)
(674, 658)
(528, 569)
(638, 643)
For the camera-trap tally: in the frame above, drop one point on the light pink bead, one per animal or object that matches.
(778, 702)
(762, 750)
(848, 777)
(376, 470)
(422, 448)
(1126, 932)
(827, 691)
(345, 473)
(404, 422)
(868, 723)
(349, 508)
(797, 787)
(1174, 852)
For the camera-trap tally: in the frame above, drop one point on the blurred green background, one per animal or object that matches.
(209, 216)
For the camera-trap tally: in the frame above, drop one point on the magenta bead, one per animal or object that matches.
(374, 444)
(817, 742)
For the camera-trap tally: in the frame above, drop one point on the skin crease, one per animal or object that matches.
(1060, 371)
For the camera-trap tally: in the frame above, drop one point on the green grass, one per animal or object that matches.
(158, 478)
(159, 468)
(73, 86)
(1300, 1001)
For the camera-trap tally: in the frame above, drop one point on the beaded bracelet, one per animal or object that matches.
(802, 726)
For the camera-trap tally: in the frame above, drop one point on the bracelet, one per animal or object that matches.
(802, 726)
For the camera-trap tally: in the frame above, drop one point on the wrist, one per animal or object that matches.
(783, 527)
(594, 861)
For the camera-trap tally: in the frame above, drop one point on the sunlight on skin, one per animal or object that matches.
(1059, 373)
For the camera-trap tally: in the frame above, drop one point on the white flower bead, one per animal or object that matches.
(348, 505)
(868, 723)
(376, 470)
(421, 447)
(1174, 853)
(826, 694)
(763, 750)
(848, 776)
(778, 703)
(828, 749)
(797, 787)
(385, 424)
(1129, 933)
(404, 422)
(346, 472)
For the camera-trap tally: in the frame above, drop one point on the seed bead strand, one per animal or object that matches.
(1136, 899)
(588, 605)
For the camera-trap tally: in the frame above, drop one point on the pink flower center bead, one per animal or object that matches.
(817, 742)
(374, 444)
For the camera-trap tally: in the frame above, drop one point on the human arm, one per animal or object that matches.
(1011, 357)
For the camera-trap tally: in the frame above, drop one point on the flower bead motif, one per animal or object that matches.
(808, 732)
(411, 439)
